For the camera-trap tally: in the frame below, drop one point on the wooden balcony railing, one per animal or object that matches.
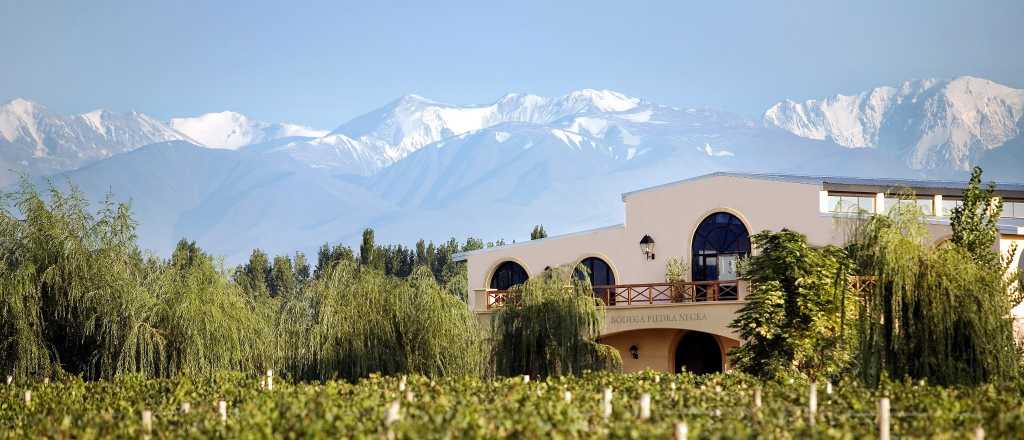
(861, 285)
(649, 293)
(671, 293)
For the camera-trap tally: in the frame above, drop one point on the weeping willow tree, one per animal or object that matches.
(77, 296)
(352, 322)
(548, 327)
(934, 312)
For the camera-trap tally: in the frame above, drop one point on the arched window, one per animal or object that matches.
(508, 274)
(599, 271)
(720, 240)
(600, 275)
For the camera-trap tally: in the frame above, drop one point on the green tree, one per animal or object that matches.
(328, 256)
(301, 269)
(792, 321)
(282, 278)
(472, 244)
(538, 233)
(547, 329)
(351, 322)
(254, 276)
(186, 254)
(935, 312)
(367, 248)
(974, 223)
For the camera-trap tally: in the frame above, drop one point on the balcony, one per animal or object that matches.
(645, 294)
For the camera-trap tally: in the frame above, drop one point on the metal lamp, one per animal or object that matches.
(647, 247)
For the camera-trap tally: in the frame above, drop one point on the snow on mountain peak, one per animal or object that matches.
(37, 141)
(603, 100)
(931, 122)
(232, 130)
(412, 121)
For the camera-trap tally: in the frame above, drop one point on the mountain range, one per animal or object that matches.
(418, 168)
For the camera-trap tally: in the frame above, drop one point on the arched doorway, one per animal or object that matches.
(718, 244)
(698, 353)
(599, 272)
(508, 274)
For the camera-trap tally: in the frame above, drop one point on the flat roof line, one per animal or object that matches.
(839, 180)
(461, 256)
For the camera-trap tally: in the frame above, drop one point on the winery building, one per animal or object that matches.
(706, 222)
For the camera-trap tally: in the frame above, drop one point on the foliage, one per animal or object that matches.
(366, 248)
(974, 222)
(936, 312)
(548, 327)
(713, 406)
(78, 297)
(538, 233)
(675, 270)
(793, 318)
(351, 323)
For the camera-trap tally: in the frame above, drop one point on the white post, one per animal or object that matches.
(757, 398)
(682, 431)
(393, 413)
(270, 380)
(828, 387)
(567, 396)
(979, 433)
(401, 384)
(10, 379)
(812, 403)
(28, 397)
(657, 379)
(186, 407)
(147, 421)
(883, 419)
(46, 381)
(645, 406)
(526, 378)
(222, 409)
(606, 403)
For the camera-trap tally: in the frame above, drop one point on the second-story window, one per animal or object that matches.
(851, 203)
(507, 275)
(1012, 209)
(598, 270)
(923, 203)
(949, 204)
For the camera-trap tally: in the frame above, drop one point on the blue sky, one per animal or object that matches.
(322, 63)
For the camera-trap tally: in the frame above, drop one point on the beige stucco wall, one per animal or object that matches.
(656, 348)
(671, 214)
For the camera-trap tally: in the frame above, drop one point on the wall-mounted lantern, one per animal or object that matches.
(634, 351)
(647, 247)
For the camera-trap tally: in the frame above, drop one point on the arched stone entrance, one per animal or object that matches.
(698, 353)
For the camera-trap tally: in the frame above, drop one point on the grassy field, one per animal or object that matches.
(719, 406)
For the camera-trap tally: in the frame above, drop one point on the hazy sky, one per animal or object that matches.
(322, 63)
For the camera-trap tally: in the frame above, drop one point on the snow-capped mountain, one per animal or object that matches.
(407, 124)
(416, 168)
(37, 141)
(931, 123)
(231, 130)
